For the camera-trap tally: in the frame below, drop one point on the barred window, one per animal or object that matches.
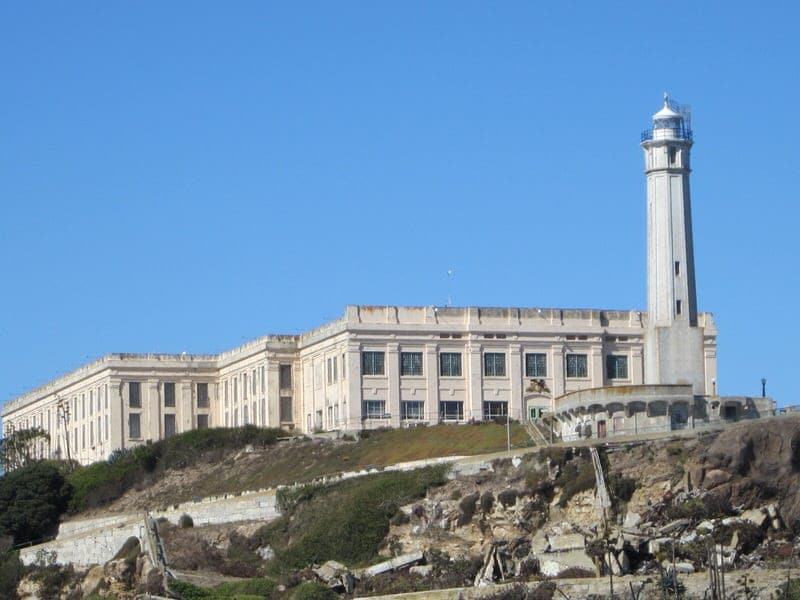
(536, 365)
(450, 364)
(134, 395)
(375, 409)
(285, 377)
(495, 409)
(202, 421)
(169, 394)
(450, 410)
(577, 366)
(411, 363)
(494, 364)
(286, 409)
(134, 426)
(202, 395)
(412, 410)
(169, 425)
(616, 366)
(372, 363)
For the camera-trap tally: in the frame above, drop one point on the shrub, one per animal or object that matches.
(455, 495)
(467, 508)
(346, 521)
(622, 487)
(575, 477)
(185, 521)
(575, 573)
(312, 590)
(710, 506)
(487, 502)
(32, 500)
(11, 571)
(750, 536)
(508, 497)
(249, 588)
(400, 518)
(520, 591)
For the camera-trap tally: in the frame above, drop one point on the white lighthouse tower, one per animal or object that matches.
(673, 350)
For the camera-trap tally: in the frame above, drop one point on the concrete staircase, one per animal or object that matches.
(602, 498)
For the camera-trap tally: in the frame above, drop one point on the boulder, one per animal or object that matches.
(674, 526)
(715, 477)
(421, 570)
(683, 568)
(632, 520)
(705, 527)
(756, 516)
(94, 581)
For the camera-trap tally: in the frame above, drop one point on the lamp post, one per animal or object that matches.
(763, 387)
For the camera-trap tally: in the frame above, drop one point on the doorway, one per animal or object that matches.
(601, 429)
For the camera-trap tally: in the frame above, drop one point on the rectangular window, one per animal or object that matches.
(107, 432)
(202, 395)
(375, 409)
(202, 421)
(169, 425)
(83, 406)
(344, 367)
(83, 437)
(134, 394)
(244, 386)
(253, 382)
(494, 410)
(91, 402)
(616, 366)
(285, 410)
(134, 426)
(335, 369)
(678, 306)
(411, 363)
(285, 376)
(263, 380)
(91, 434)
(372, 363)
(235, 417)
(577, 366)
(450, 410)
(450, 364)
(328, 371)
(677, 268)
(169, 394)
(244, 415)
(412, 410)
(536, 365)
(494, 364)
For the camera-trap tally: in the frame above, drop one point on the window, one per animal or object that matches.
(134, 426)
(202, 421)
(169, 394)
(375, 409)
(253, 382)
(244, 415)
(235, 389)
(450, 364)
(411, 363)
(577, 366)
(285, 410)
(285, 376)
(107, 433)
(226, 393)
(677, 268)
(494, 364)
(202, 395)
(335, 369)
(372, 363)
(450, 410)
(83, 406)
(263, 380)
(244, 386)
(536, 365)
(91, 434)
(412, 410)
(169, 425)
(134, 394)
(328, 371)
(678, 306)
(235, 417)
(83, 437)
(616, 366)
(91, 402)
(344, 367)
(495, 409)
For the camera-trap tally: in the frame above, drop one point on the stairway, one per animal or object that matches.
(602, 497)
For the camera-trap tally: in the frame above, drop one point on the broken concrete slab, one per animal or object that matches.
(571, 541)
(673, 526)
(756, 516)
(421, 570)
(705, 526)
(632, 520)
(398, 562)
(553, 564)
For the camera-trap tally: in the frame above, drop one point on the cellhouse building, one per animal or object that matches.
(581, 372)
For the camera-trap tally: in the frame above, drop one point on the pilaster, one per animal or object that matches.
(515, 408)
(432, 383)
(474, 406)
(392, 366)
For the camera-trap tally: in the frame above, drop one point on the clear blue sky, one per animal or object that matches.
(185, 176)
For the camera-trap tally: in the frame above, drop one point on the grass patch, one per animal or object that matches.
(346, 521)
(709, 506)
(257, 588)
(105, 481)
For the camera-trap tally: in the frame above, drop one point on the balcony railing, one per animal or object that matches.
(679, 133)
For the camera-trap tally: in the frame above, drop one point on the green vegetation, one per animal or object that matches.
(311, 590)
(575, 477)
(103, 482)
(250, 589)
(345, 522)
(710, 506)
(32, 498)
(17, 448)
(11, 571)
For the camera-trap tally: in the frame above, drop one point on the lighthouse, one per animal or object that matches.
(673, 349)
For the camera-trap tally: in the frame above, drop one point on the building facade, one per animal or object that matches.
(593, 372)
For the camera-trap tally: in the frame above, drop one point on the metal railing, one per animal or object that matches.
(680, 133)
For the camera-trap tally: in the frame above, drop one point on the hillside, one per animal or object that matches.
(674, 502)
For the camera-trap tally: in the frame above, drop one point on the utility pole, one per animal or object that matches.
(63, 413)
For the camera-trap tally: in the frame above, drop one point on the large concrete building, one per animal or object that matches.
(592, 372)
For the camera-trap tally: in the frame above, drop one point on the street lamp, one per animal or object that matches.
(763, 387)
